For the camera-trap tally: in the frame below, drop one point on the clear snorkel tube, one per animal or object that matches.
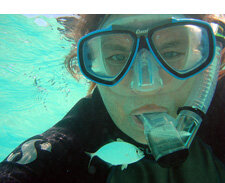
(169, 138)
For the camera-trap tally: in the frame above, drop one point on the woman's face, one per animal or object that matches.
(123, 102)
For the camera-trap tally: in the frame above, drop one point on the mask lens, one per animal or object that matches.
(182, 47)
(105, 55)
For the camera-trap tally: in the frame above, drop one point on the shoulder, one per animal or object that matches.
(59, 151)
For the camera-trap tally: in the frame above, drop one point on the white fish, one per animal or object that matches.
(118, 153)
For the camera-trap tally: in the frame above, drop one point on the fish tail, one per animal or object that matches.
(91, 155)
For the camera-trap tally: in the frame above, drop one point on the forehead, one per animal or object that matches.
(139, 20)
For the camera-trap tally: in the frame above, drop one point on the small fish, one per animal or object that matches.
(118, 153)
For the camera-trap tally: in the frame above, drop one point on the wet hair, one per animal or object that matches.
(90, 22)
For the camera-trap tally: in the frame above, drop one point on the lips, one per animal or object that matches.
(138, 122)
(150, 108)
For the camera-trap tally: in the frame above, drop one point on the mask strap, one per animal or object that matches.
(219, 31)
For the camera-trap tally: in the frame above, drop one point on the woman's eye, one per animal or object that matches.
(171, 55)
(117, 59)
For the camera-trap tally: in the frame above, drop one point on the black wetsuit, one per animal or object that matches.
(58, 155)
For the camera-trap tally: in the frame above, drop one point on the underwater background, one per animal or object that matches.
(36, 89)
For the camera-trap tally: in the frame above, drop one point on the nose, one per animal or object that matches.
(146, 75)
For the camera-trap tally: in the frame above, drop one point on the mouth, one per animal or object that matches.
(138, 123)
(150, 108)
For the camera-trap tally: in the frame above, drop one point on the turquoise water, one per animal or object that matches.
(36, 90)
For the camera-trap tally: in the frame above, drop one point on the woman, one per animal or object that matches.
(155, 76)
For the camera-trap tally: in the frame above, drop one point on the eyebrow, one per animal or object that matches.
(170, 44)
(115, 47)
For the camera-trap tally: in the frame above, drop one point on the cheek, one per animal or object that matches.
(182, 93)
(114, 103)
(170, 84)
(165, 76)
(122, 89)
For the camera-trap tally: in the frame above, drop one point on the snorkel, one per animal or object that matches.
(168, 138)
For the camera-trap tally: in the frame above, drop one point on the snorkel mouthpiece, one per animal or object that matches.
(168, 144)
